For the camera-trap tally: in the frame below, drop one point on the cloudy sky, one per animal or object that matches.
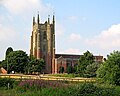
(81, 25)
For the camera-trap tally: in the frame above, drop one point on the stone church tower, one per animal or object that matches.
(43, 43)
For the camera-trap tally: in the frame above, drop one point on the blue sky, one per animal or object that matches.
(81, 25)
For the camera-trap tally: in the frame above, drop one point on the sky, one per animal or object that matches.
(80, 25)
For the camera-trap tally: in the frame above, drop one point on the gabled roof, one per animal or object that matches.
(3, 71)
(67, 56)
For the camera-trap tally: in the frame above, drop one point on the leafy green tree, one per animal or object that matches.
(30, 67)
(61, 69)
(17, 61)
(91, 70)
(10, 49)
(86, 59)
(35, 65)
(4, 64)
(40, 66)
(69, 69)
(109, 71)
(74, 69)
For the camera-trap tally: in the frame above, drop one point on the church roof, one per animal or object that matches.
(67, 56)
(73, 56)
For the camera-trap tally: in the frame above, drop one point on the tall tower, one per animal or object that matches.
(43, 43)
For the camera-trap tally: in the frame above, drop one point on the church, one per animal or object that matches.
(43, 46)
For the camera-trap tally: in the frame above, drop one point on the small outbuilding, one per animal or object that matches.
(3, 71)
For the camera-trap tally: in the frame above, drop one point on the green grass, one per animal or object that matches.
(57, 88)
(42, 92)
(7, 92)
(86, 89)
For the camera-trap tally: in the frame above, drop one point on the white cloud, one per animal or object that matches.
(8, 37)
(71, 51)
(73, 18)
(84, 18)
(74, 37)
(26, 6)
(10, 32)
(108, 39)
(2, 18)
(59, 29)
(6, 33)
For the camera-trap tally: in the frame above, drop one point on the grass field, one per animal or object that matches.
(76, 91)
(36, 87)
(65, 75)
(56, 88)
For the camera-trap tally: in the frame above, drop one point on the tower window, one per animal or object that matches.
(44, 35)
(44, 49)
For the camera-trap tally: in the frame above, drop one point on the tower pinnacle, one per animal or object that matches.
(38, 20)
(48, 19)
(53, 18)
(33, 20)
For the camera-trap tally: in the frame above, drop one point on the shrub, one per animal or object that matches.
(69, 69)
(6, 82)
(61, 69)
(86, 88)
(90, 89)
(109, 71)
(39, 84)
(91, 70)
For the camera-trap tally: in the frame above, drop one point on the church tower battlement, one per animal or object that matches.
(43, 42)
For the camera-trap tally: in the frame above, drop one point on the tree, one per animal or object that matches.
(30, 67)
(17, 61)
(41, 65)
(91, 70)
(75, 68)
(8, 51)
(69, 69)
(61, 69)
(35, 65)
(86, 59)
(109, 71)
(4, 64)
